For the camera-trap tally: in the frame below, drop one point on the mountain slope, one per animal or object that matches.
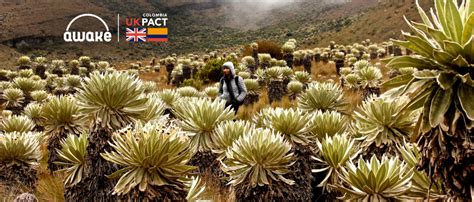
(36, 27)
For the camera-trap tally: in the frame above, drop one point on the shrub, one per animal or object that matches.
(269, 47)
(212, 71)
(196, 83)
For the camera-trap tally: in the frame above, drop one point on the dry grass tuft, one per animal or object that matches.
(50, 187)
(247, 112)
(215, 193)
(353, 99)
(322, 72)
(160, 78)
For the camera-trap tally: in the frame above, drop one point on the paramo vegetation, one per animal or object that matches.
(367, 121)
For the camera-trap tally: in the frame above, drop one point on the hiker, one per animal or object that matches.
(232, 87)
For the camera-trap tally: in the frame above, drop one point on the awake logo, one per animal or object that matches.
(78, 36)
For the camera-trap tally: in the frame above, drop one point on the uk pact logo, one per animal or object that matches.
(151, 27)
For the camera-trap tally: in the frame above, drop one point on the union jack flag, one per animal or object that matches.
(136, 34)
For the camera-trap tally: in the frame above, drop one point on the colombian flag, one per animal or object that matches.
(157, 34)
